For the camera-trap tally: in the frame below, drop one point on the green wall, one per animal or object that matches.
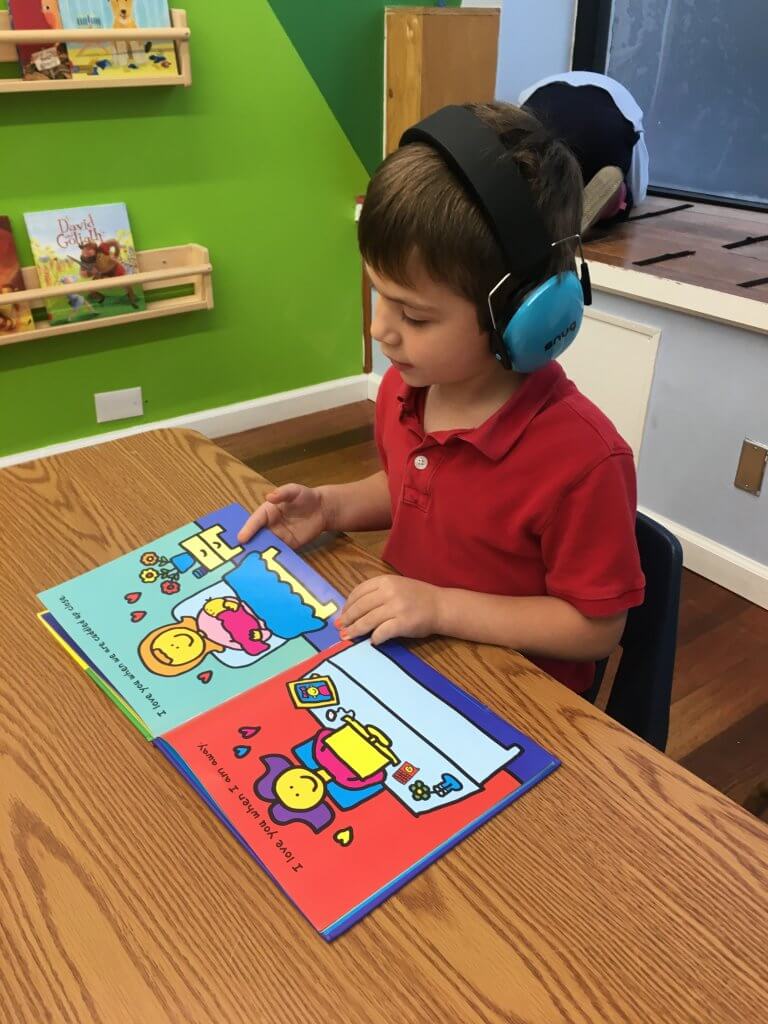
(342, 44)
(251, 162)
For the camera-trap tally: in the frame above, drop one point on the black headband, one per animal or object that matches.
(473, 151)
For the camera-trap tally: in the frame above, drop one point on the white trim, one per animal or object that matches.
(687, 298)
(574, 14)
(384, 93)
(722, 565)
(227, 419)
(374, 383)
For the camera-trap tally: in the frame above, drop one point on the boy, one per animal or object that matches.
(510, 497)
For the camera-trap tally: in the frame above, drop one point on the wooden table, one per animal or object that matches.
(620, 889)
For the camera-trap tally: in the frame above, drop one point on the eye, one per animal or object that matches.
(410, 320)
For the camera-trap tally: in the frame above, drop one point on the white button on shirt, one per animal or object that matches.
(421, 462)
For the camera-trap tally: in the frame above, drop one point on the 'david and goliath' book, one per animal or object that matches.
(86, 243)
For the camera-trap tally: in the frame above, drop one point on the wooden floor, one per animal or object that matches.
(701, 230)
(719, 717)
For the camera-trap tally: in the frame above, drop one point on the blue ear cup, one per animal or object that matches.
(544, 324)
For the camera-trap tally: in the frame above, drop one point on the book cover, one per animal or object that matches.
(14, 316)
(85, 243)
(129, 58)
(343, 769)
(46, 60)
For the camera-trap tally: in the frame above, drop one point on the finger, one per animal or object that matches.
(267, 514)
(368, 623)
(255, 522)
(359, 593)
(386, 631)
(284, 494)
(359, 602)
(362, 607)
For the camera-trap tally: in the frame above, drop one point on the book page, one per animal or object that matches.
(195, 618)
(349, 776)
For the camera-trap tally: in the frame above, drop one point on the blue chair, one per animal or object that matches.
(642, 689)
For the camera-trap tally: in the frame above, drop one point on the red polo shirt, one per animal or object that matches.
(539, 499)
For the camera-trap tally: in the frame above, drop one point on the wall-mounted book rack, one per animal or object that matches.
(10, 39)
(182, 267)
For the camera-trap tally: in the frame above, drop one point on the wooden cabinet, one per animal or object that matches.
(436, 56)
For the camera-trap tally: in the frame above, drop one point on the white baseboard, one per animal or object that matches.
(374, 381)
(227, 419)
(722, 565)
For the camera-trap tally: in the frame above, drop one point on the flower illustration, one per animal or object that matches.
(420, 791)
(148, 575)
(149, 558)
(170, 587)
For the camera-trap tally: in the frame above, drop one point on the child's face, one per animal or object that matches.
(429, 332)
(178, 646)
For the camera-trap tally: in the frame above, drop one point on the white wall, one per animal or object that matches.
(535, 40)
(710, 391)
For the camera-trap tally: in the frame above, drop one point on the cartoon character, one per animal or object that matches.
(346, 765)
(75, 301)
(222, 623)
(87, 259)
(50, 10)
(122, 14)
(9, 315)
(107, 264)
(122, 17)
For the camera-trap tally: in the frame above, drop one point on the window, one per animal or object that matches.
(699, 71)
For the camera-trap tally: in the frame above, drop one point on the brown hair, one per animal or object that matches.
(416, 206)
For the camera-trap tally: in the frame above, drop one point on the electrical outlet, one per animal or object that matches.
(118, 405)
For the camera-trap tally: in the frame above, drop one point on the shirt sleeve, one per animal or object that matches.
(589, 547)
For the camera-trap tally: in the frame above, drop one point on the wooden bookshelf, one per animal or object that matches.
(10, 39)
(159, 269)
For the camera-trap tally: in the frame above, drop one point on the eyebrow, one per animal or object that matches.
(406, 302)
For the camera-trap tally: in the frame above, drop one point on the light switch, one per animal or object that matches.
(751, 468)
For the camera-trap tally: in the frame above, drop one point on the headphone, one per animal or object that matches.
(536, 324)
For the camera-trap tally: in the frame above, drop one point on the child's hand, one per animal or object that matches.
(390, 606)
(294, 513)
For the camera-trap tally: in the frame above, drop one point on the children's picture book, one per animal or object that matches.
(344, 769)
(125, 58)
(42, 60)
(85, 243)
(14, 316)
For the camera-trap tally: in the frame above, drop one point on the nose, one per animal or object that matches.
(384, 325)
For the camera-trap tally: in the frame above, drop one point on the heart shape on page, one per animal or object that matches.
(344, 836)
(205, 677)
(137, 616)
(249, 731)
(133, 597)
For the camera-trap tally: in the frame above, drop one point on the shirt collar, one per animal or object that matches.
(505, 427)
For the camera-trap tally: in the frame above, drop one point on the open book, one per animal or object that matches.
(343, 768)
